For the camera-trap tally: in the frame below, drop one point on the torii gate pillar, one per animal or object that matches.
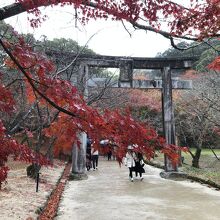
(79, 152)
(168, 115)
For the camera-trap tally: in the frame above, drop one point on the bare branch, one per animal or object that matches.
(13, 130)
(77, 55)
(125, 28)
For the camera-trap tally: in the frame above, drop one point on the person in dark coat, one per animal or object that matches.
(139, 164)
(88, 155)
(109, 153)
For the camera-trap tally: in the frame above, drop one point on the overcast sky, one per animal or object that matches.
(110, 37)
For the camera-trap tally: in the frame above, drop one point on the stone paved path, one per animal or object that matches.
(109, 195)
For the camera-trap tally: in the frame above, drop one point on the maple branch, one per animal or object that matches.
(17, 8)
(163, 33)
(183, 49)
(32, 84)
(11, 10)
(145, 27)
(174, 3)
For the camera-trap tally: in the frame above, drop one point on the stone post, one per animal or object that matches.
(79, 152)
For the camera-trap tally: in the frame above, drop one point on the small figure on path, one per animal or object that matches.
(130, 161)
(109, 153)
(88, 155)
(95, 158)
(139, 165)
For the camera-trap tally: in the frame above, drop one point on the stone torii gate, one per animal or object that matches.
(126, 66)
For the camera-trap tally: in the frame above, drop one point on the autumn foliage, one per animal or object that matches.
(10, 146)
(191, 19)
(195, 21)
(142, 98)
(75, 115)
(215, 65)
(51, 208)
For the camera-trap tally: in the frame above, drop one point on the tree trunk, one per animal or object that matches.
(195, 161)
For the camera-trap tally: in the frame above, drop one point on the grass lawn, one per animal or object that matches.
(205, 152)
(209, 165)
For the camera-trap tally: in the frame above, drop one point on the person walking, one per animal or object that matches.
(95, 158)
(130, 161)
(109, 154)
(139, 164)
(88, 155)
